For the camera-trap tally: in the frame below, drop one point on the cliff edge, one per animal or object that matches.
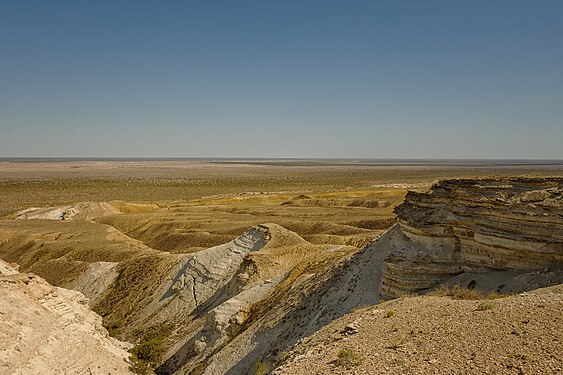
(474, 227)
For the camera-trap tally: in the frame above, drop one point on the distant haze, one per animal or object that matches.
(282, 79)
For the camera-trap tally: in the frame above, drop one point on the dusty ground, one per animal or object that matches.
(521, 334)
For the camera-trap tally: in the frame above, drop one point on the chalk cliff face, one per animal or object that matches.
(475, 226)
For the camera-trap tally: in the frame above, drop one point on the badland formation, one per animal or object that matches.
(284, 269)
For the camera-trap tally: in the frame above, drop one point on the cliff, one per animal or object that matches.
(475, 226)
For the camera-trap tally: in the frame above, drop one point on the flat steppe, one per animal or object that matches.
(32, 183)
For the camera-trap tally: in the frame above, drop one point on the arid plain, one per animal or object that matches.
(261, 239)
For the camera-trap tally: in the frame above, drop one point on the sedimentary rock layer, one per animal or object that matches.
(475, 226)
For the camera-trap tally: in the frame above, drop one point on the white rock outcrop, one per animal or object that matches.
(49, 330)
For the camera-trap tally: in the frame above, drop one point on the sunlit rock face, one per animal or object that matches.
(475, 226)
(51, 330)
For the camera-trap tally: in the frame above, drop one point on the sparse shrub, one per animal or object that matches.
(282, 357)
(458, 292)
(485, 306)
(522, 357)
(495, 295)
(389, 313)
(147, 353)
(348, 358)
(114, 327)
(260, 368)
(395, 344)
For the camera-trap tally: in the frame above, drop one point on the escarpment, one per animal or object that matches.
(475, 226)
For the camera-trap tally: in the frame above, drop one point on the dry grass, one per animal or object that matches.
(458, 292)
(348, 358)
(483, 306)
(39, 184)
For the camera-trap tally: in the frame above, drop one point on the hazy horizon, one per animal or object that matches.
(410, 80)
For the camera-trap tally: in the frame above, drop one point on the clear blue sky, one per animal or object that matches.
(388, 79)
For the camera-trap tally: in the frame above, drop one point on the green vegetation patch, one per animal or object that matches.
(148, 352)
(260, 368)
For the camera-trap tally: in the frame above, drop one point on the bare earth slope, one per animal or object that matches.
(50, 330)
(521, 334)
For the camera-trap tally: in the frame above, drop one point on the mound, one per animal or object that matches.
(60, 251)
(253, 290)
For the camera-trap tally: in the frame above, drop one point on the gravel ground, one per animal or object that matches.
(520, 334)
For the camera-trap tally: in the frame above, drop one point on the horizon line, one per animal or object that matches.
(16, 159)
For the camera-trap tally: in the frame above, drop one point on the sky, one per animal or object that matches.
(300, 79)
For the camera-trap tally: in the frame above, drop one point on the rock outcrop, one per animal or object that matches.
(50, 330)
(79, 211)
(475, 226)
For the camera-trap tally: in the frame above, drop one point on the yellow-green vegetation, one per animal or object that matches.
(458, 292)
(52, 183)
(395, 344)
(389, 313)
(260, 368)
(147, 353)
(485, 306)
(282, 357)
(130, 208)
(348, 358)
(522, 357)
